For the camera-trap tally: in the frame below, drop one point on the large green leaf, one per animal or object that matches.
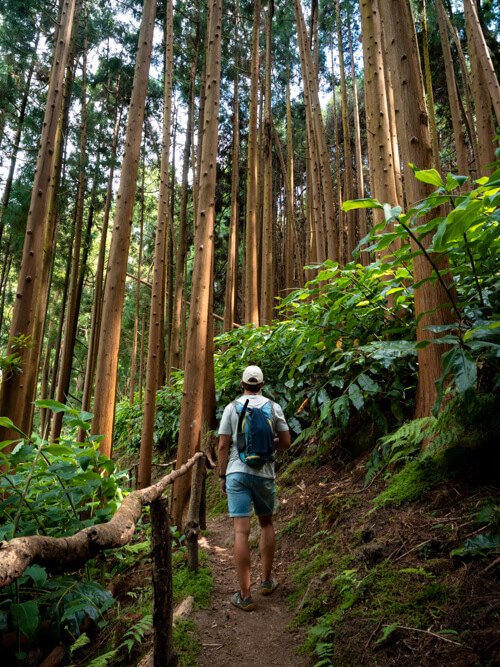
(430, 176)
(356, 396)
(26, 617)
(55, 406)
(352, 204)
(341, 409)
(5, 422)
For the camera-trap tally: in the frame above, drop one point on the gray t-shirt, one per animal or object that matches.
(229, 426)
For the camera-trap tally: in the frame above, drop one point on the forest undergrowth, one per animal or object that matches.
(400, 559)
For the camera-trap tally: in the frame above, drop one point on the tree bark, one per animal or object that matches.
(13, 389)
(73, 304)
(135, 335)
(482, 102)
(98, 290)
(251, 237)
(267, 255)
(483, 55)
(451, 83)
(156, 313)
(431, 301)
(197, 357)
(360, 184)
(232, 252)
(175, 357)
(107, 358)
(350, 219)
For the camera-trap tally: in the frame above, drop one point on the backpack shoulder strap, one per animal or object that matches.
(240, 411)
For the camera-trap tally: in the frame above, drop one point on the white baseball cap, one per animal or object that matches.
(252, 375)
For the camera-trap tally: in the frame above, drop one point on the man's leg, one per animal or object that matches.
(242, 553)
(266, 545)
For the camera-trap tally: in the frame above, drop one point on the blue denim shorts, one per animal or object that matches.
(243, 489)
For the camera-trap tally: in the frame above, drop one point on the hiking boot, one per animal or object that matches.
(269, 586)
(244, 604)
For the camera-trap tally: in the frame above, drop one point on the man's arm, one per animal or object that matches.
(284, 440)
(223, 455)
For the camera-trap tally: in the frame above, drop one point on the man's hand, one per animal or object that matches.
(283, 440)
(223, 485)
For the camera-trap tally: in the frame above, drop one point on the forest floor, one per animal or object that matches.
(231, 636)
(360, 583)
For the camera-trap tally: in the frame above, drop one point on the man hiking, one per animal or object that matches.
(251, 428)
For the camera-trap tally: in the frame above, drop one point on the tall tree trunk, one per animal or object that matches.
(378, 129)
(197, 357)
(133, 361)
(98, 289)
(232, 252)
(482, 102)
(107, 358)
(310, 80)
(267, 276)
(483, 55)
(468, 103)
(292, 250)
(340, 213)
(52, 221)
(350, 220)
(428, 89)
(157, 306)
(360, 185)
(175, 357)
(451, 83)
(13, 395)
(431, 301)
(251, 237)
(73, 305)
(168, 267)
(60, 327)
(315, 207)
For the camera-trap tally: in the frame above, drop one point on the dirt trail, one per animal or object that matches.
(231, 636)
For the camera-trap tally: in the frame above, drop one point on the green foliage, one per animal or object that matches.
(56, 488)
(468, 237)
(185, 642)
(399, 447)
(58, 603)
(484, 543)
(131, 639)
(128, 420)
(461, 441)
(186, 583)
(417, 477)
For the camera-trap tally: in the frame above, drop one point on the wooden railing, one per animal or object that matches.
(70, 553)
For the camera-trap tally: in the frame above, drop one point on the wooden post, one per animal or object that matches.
(161, 542)
(203, 502)
(193, 522)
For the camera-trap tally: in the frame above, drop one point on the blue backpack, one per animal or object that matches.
(255, 434)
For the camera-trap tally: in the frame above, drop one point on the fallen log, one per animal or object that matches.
(63, 553)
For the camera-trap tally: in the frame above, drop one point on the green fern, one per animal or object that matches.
(130, 639)
(136, 633)
(398, 448)
(103, 660)
(82, 641)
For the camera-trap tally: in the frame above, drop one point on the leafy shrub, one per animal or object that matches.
(54, 489)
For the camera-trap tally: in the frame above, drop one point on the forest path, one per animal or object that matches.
(231, 636)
